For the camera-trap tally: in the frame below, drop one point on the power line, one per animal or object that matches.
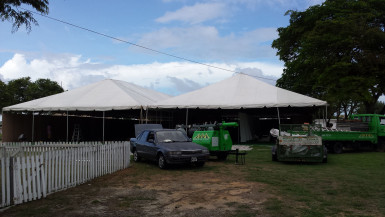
(156, 51)
(141, 46)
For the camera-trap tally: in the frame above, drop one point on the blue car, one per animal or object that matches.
(166, 147)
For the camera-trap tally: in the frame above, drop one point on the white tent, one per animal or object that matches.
(239, 91)
(105, 95)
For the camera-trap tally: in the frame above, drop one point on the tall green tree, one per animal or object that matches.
(23, 89)
(18, 90)
(4, 95)
(379, 108)
(336, 52)
(41, 88)
(11, 10)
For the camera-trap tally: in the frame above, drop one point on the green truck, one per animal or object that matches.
(361, 131)
(215, 137)
(298, 143)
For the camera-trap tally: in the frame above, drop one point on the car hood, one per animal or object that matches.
(181, 146)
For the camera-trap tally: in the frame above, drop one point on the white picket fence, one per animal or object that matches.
(29, 172)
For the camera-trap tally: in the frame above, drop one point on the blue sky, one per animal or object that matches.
(231, 34)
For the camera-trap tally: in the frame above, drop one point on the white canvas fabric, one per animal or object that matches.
(100, 96)
(239, 91)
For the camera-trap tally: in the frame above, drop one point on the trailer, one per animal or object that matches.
(298, 143)
(359, 132)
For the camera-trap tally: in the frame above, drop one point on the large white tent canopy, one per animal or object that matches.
(239, 91)
(105, 95)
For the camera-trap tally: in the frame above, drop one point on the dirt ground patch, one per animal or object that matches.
(145, 190)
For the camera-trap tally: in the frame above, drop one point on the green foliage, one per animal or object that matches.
(23, 90)
(18, 90)
(379, 108)
(11, 10)
(43, 87)
(335, 52)
(4, 95)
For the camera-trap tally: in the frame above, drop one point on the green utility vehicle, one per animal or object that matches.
(215, 137)
(298, 143)
(363, 131)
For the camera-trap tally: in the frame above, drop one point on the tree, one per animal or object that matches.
(4, 95)
(379, 108)
(336, 52)
(11, 10)
(23, 90)
(18, 90)
(42, 88)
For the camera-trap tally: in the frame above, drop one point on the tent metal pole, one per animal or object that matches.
(324, 118)
(279, 118)
(326, 114)
(33, 126)
(141, 114)
(239, 132)
(103, 125)
(146, 114)
(67, 127)
(186, 118)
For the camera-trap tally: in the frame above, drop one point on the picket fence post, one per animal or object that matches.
(44, 168)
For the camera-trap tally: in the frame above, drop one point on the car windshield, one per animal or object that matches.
(171, 136)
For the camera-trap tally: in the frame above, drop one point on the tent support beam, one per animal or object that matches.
(326, 114)
(186, 118)
(146, 114)
(103, 125)
(279, 118)
(67, 128)
(33, 126)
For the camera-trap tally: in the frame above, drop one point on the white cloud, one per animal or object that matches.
(254, 4)
(66, 69)
(172, 78)
(205, 42)
(198, 13)
(288, 4)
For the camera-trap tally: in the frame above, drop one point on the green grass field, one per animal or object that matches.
(350, 184)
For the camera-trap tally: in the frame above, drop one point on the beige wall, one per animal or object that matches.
(16, 124)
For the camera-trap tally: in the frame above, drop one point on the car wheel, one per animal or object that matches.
(136, 156)
(380, 145)
(200, 164)
(162, 162)
(338, 147)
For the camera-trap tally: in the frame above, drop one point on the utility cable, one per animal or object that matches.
(141, 46)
